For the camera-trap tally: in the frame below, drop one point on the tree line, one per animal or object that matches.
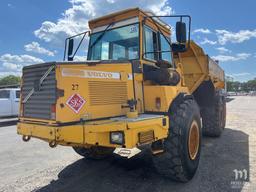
(236, 86)
(10, 80)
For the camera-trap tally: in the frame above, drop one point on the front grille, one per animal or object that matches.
(40, 102)
(107, 93)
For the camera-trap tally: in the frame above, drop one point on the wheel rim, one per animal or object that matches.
(193, 140)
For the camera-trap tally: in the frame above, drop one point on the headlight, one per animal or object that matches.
(117, 137)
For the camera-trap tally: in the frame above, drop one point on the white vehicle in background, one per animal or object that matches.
(9, 101)
(232, 93)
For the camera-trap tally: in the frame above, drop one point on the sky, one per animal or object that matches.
(33, 31)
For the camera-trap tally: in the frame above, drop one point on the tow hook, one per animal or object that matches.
(52, 144)
(26, 138)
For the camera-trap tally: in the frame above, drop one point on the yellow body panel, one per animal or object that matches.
(96, 132)
(102, 95)
(166, 94)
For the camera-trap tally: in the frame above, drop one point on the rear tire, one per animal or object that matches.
(214, 117)
(179, 161)
(94, 153)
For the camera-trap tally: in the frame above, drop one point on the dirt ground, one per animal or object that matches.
(33, 166)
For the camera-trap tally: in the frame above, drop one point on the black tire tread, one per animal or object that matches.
(94, 153)
(171, 165)
(213, 122)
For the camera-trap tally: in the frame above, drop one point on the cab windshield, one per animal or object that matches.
(116, 44)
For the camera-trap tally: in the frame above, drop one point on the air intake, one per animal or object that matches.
(107, 93)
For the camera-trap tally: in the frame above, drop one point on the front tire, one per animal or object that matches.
(181, 155)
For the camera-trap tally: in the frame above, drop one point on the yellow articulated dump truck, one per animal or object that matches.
(137, 90)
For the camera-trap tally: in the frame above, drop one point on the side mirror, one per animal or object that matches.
(70, 49)
(181, 32)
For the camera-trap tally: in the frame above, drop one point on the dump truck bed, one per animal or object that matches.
(215, 70)
(198, 67)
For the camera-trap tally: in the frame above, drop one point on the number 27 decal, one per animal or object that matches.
(75, 87)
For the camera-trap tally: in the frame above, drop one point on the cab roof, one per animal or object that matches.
(127, 14)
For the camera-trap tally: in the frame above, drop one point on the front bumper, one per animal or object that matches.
(137, 131)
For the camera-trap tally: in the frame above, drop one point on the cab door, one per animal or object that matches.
(157, 57)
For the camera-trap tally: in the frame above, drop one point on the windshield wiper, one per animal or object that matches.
(100, 37)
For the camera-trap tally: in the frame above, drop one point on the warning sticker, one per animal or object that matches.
(76, 102)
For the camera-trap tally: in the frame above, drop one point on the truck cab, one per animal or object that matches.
(9, 101)
(136, 90)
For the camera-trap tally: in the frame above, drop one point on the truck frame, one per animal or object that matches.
(136, 90)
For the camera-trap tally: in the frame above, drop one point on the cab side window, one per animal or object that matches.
(150, 44)
(165, 47)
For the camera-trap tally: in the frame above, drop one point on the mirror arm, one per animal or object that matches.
(66, 40)
(189, 31)
(78, 46)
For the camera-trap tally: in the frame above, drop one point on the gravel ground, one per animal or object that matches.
(33, 166)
